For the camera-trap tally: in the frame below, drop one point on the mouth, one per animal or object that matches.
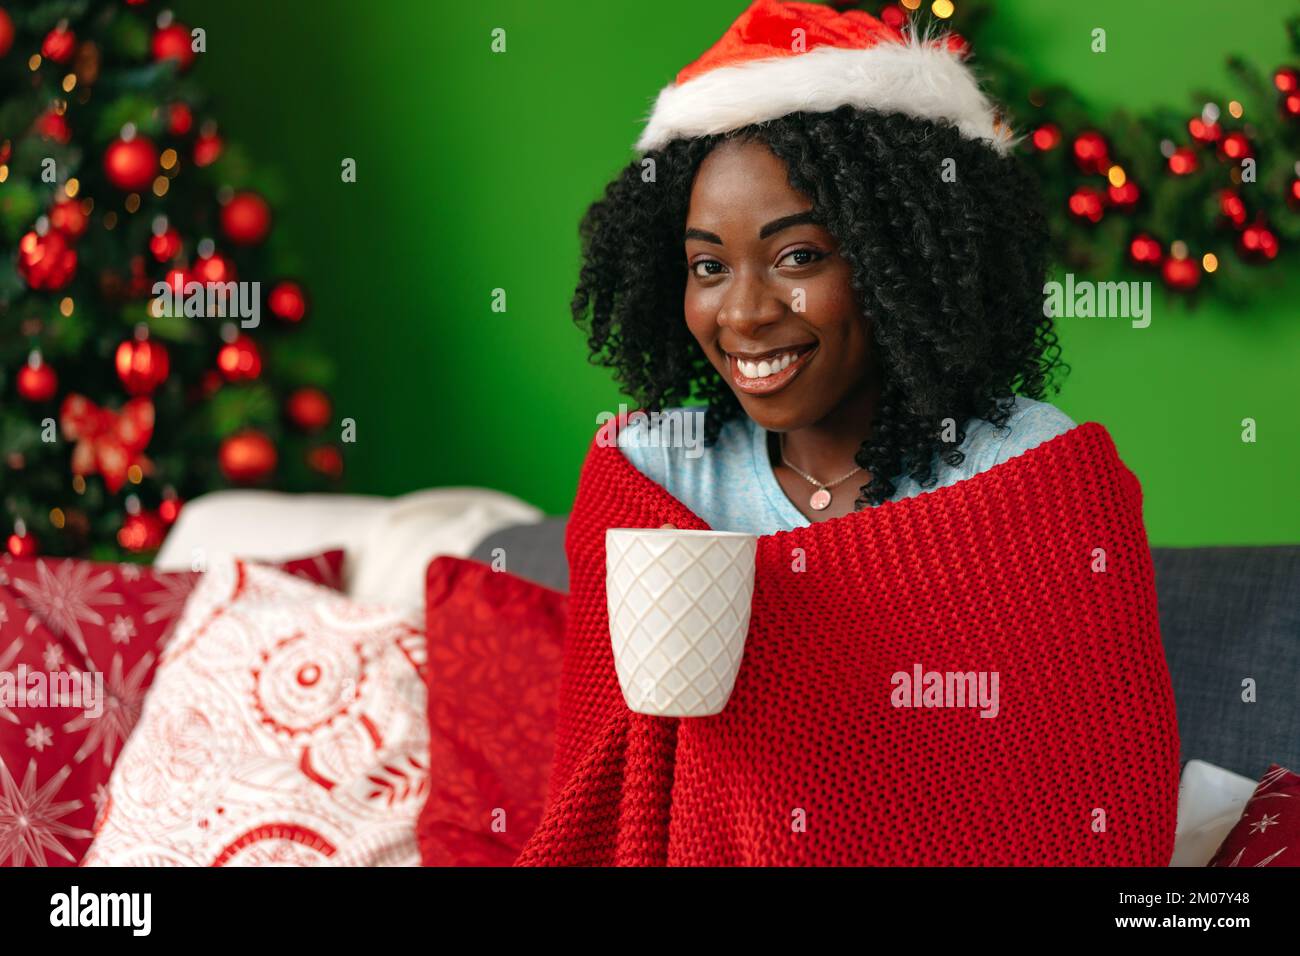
(763, 373)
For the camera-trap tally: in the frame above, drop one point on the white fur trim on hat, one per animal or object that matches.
(924, 80)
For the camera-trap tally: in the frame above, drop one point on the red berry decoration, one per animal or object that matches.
(131, 163)
(1257, 243)
(36, 380)
(1145, 251)
(287, 301)
(68, 216)
(142, 531)
(327, 460)
(1091, 152)
(142, 364)
(172, 42)
(1291, 104)
(1235, 146)
(179, 119)
(170, 507)
(60, 43)
(1293, 195)
(246, 456)
(1087, 204)
(47, 263)
(1047, 137)
(1183, 161)
(1286, 79)
(1232, 207)
(240, 360)
(246, 219)
(1181, 274)
(309, 409)
(6, 33)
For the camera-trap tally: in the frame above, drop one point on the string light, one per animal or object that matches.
(66, 305)
(168, 158)
(4, 173)
(69, 82)
(79, 484)
(132, 202)
(56, 517)
(1235, 109)
(942, 9)
(34, 62)
(71, 187)
(161, 185)
(1116, 176)
(912, 4)
(110, 220)
(1209, 262)
(134, 475)
(1178, 249)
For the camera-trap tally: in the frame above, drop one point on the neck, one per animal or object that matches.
(827, 448)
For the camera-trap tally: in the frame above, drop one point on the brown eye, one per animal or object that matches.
(812, 256)
(695, 267)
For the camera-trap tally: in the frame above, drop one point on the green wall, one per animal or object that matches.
(474, 169)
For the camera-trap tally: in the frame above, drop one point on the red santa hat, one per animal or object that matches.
(781, 58)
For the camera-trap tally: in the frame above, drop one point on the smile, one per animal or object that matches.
(771, 372)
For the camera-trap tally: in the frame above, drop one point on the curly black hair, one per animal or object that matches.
(950, 274)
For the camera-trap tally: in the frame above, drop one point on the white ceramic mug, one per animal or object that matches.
(679, 604)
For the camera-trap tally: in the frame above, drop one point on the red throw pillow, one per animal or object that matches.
(71, 618)
(1268, 833)
(494, 643)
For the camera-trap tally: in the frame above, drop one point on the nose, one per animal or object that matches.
(749, 304)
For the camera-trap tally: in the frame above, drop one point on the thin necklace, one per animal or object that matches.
(821, 498)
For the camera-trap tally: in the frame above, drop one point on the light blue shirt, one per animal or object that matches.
(732, 485)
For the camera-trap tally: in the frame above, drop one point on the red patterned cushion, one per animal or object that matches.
(80, 617)
(494, 643)
(1268, 833)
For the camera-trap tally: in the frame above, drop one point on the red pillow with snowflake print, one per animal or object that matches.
(74, 618)
(1268, 833)
(495, 643)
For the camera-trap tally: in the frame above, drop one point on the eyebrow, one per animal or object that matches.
(773, 227)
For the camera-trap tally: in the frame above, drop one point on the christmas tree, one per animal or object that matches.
(150, 349)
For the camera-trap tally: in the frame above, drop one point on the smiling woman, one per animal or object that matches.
(860, 329)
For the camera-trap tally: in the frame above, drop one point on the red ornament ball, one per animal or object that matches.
(1047, 137)
(309, 409)
(1091, 152)
(131, 164)
(1087, 204)
(207, 149)
(287, 301)
(214, 268)
(1204, 132)
(1183, 162)
(1124, 197)
(1232, 207)
(1235, 146)
(60, 43)
(46, 263)
(6, 33)
(246, 219)
(1145, 251)
(22, 544)
(53, 126)
(142, 531)
(142, 365)
(240, 360)
(68, 216)
(169, 509)
(172, 42)
(246, 456)
(327, 460)
(1293, 195)
(1291, 104)
(1257, 243)
(1286, 79)
(179, 119)
(1181, 274)
(36, 380)
(166, 245)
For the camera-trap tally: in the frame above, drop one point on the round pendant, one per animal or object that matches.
(820, 500)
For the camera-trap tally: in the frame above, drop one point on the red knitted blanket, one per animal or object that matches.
(845, 740)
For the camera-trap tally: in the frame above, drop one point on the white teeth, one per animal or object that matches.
(766, 367)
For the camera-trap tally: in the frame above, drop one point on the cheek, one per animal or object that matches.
(699, 314)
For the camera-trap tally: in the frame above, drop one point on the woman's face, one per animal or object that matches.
(768, 296)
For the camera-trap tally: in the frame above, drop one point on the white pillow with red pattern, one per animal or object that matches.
(286, 726)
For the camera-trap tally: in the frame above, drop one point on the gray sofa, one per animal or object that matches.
(1226, 614)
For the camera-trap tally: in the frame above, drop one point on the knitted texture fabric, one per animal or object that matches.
(1037, 571)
